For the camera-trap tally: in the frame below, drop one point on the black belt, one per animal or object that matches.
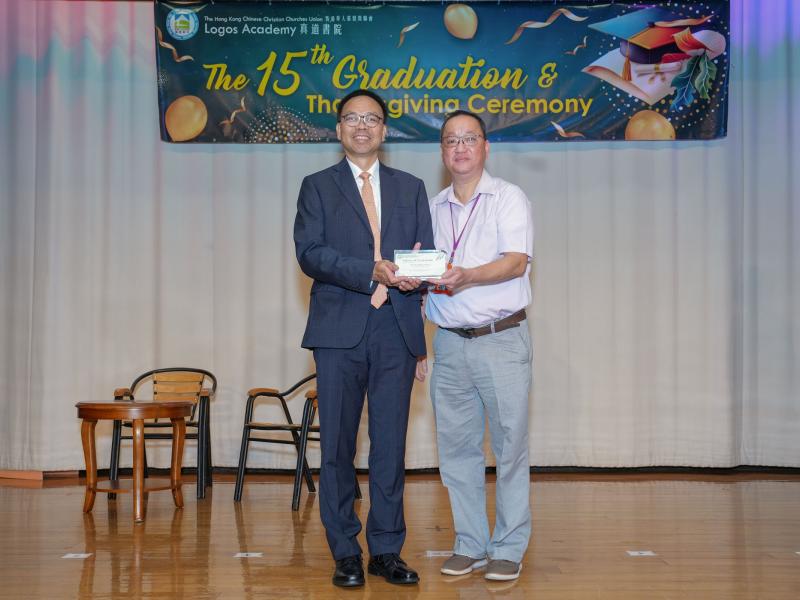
(501, 325)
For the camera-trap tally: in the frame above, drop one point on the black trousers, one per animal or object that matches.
(381, 366)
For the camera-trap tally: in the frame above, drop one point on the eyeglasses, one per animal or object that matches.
(353, 119)
(452, 141)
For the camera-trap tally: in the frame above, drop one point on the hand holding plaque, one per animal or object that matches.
(421, 264)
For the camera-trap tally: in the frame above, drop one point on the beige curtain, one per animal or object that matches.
(665, 319)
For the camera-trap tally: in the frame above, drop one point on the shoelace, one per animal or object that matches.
(351, 560)
(392, 560)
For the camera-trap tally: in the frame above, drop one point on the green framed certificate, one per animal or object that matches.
(423, 264)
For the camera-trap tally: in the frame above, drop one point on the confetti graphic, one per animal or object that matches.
(682, 22)
(229, 121)
(404, 31)
(541, 24)
(175, 56)
(564, 134)
(578, 47)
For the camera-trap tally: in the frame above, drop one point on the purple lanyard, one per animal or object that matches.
(457, 240)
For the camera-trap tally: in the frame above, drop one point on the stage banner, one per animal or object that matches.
(272, 72)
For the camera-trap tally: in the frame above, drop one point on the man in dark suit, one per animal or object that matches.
(365, 328)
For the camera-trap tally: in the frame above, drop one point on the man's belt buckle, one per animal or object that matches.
(469, 332)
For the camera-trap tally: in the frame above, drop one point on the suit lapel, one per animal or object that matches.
(388, 198)
(347, 185)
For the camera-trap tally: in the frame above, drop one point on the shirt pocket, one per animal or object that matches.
(480, 243)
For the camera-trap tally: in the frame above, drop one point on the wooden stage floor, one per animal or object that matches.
(731, 536)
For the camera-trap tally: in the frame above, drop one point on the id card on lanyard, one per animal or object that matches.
(441, 289)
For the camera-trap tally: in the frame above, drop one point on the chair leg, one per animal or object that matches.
(116, 441)
(301, 454)
(306, 471)
(309, 479)
(307, 476)
(240, 472)
(144, 461)
(201, 452)
(358, 488)
(201, 467)
(209, 464)
(237, 493)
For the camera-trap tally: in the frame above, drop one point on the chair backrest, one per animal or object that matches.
(176, 383)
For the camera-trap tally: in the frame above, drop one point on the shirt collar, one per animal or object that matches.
(373, 170)
(486, 186)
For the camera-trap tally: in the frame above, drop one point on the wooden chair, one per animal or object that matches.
(297, 437)
(175, 383)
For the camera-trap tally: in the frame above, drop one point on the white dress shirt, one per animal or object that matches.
(374, 181)
(502, 222)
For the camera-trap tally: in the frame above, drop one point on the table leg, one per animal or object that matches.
(86, 586)
(90, 457)
(138, 470)
(178, 437)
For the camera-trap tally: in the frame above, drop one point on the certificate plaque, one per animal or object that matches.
(423, 264)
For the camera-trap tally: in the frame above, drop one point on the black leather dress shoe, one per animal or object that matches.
(392, 568)
(349, 572)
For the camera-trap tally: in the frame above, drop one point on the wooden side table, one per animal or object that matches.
(91, 412)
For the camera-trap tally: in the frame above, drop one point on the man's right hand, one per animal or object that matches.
(383, 272)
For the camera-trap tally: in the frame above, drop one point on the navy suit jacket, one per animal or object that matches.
(334, 247)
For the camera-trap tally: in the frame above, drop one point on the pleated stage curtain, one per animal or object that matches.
(665, 317)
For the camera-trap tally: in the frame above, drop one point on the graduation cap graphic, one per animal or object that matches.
(655, 46)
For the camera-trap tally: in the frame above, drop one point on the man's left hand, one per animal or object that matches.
(456, 279)
(422, 368)
(408, 284)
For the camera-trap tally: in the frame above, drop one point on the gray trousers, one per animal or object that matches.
(488, 376)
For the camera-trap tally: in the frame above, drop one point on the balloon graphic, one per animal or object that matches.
(461, 21)
(186, 118)
(649, 125)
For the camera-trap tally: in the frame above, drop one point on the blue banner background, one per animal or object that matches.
(558, 100)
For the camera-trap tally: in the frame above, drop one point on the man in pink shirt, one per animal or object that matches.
(482, 351)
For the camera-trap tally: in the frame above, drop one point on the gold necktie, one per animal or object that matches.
(380, 294)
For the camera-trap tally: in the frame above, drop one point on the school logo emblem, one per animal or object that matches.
(182, 23)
